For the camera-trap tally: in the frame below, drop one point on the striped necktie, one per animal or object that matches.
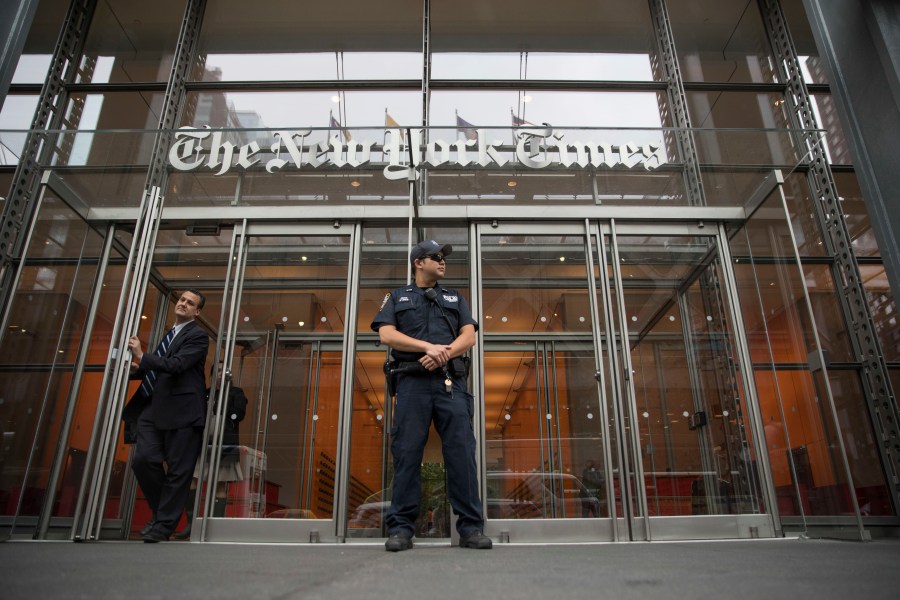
(150, 378)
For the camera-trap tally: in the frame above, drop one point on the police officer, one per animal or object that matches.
(429, 328)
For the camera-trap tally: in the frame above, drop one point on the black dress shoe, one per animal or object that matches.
(146, 528)
(155, 535)
(398, 543)
(476, 540)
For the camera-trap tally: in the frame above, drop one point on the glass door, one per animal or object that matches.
(617, 400)
(277, 477)
(682, 387)
(547, 455)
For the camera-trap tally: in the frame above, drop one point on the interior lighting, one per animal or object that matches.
(562, 259)
(335, 99)
(511, 184)
(355, 183)
(526, 98)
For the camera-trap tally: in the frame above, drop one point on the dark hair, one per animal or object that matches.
(199, 295)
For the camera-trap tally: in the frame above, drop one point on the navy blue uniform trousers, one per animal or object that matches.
(421, 398)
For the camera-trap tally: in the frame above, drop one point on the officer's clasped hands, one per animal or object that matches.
(436, 356)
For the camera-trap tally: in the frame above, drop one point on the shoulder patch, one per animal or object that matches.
(386, 298)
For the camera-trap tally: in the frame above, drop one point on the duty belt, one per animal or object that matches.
(412, 368)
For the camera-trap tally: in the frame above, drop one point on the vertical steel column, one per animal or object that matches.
(173, 102)
(684, 138)
(21, 202)
(348, 377)
(880, 400)
(628, 399)
(593, 236)
(426, 89)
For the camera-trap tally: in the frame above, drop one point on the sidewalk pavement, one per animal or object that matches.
(790, 568)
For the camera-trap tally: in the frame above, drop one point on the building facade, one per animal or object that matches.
(687, 326)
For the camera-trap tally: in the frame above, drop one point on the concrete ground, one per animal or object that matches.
(792, 568)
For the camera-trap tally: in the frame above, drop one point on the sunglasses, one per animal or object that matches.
(435, 257)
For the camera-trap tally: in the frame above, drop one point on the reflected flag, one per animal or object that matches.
(389, 121)
(517, 122)
(337, 125)
(466, 128)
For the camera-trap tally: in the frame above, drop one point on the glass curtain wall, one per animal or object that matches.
(819, 439)
(45, 406)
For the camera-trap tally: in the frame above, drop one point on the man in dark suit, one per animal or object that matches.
(170, 411)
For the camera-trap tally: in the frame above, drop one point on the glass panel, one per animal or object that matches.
(833, 334)
(801, 34)
(696, 452)
(586, 109)
(803, 219)
(17, 114)
(872, 493)
(883, 307)
(721, 41)
(293, 285)
(5, 184)
(369, 471)
(45, 327)
(836, 147)
(560, 41)
(856, 215)
(543, 419)
(40, 42)
(112, 110)
(741, 110)
(285, 40)
(801, 435)
(130, 42)
(304, 109)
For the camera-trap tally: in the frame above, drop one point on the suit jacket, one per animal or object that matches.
(179, 395)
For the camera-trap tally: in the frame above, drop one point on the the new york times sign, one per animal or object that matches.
(535, 148)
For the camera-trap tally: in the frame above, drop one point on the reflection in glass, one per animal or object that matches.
(45, 328)
(560, 109)
(126, 45)
(303, 109)
(109, 111)
(543, 421)
(564, 40)
(696, 450)
(883, 308)
(801, 436)
(856, 214)
(16, 116)
(283, 40)
(720, 42)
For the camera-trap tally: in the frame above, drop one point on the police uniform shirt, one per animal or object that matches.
(413, 314)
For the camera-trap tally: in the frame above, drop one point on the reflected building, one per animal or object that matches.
(687, 329)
